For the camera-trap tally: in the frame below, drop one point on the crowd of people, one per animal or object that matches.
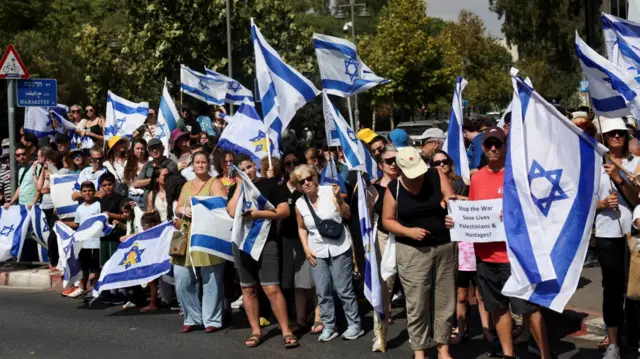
(314, 252)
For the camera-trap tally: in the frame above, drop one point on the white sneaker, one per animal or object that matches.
(76, 293)
(128, 305)
(237, 304)
(613, 352)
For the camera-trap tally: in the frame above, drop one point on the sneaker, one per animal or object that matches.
(128, 305)
(76, 293)
(613, 352)
(353, 332)
(66, 292)
(327, 335)
(237, 304)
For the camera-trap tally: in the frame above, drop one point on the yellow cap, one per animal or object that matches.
(115, 139)
(366, 135)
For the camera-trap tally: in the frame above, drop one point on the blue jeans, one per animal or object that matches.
(336, 272)
(208, 286)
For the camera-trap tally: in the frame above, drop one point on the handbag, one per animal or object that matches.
(389, 263)
(633, 285)
(326, 227)
(179, 243)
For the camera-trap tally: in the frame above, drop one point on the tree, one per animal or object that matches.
(421, 67)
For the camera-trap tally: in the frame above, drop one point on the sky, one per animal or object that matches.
(449, 10)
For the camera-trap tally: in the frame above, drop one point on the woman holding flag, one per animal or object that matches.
(207, 312)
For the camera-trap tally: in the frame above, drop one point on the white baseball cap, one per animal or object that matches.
(431, 133)
(410, 162)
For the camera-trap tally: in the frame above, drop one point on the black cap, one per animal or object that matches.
(154, 142)
(185, 106)
(61, 137)
(495, 132)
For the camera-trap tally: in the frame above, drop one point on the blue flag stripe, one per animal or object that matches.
(152, 233)
(195, 91)
(326, 45)
(212, 243)
(209, 203)
(150, 270)
(167, 114)
(616, 82)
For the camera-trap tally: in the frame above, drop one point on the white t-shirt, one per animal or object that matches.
(324, 247)
(606, 220)
(82, 213)
(87, 174)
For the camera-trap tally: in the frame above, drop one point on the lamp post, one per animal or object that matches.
(340, 14)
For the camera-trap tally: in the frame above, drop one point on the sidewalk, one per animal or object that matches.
(586, 304)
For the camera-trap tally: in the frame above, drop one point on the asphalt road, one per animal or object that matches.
(42, 324)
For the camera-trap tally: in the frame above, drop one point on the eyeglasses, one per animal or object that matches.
(390, 161)
(18, 155)
(75, 111)
(493, 143)
(155, 148)
(97, 159)
(617, 133)
(290, 163)
(76, 155)
(441, 162)
(305, 180)
(89, 110)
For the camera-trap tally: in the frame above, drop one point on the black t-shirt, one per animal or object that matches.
(422, 210)
(377, 207)
(273, 192)
(111, 203)
(289, 225)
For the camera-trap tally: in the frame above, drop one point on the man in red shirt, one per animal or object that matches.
(493, 267)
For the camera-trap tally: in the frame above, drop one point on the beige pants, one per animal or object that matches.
(386, 286)
(428, 276)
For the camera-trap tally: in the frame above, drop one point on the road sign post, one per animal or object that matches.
(12, 67)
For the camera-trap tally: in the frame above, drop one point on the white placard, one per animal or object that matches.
(477, 221)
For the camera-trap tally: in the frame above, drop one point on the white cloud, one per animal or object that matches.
(449, 10)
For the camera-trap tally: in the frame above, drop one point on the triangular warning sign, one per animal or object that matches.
(11, 65)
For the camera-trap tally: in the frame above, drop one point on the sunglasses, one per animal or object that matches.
(442, 162)
(489, 144)
(75, 111)
(155, 148)
(617, 133)
(19, 155)
(97, 159)
(76, 155)
(290, 163)
(390, 161)
(89, 110)
(305, 180)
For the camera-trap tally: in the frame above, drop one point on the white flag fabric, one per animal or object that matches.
(38, 122)
(123, 116)
(14, 223)
(211, 239)
(96, 226)
(167, 119)
(62, 186)
(283, 90)
(39, 225)
(454, 143)
(138, 260)
(236, 93)
(354, 155)
(551, 181)
(202, 87)
(69, 251)
(614, 29)
(250, 236)
(343, 72)
(330, 176)
(372, 287)
(613, 90)
(246, 134)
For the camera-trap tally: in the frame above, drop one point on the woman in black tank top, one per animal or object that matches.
(413, 210)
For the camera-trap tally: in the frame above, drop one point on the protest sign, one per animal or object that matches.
(477, 221)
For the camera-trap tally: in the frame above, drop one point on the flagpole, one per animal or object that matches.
(180, 86)
(383, 340)
(350, 116)
(266, 135)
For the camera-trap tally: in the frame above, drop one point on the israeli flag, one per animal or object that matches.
(236, 93)
(331, 176)
(62, 186)
(250, 236)
(138, 260)
(454, 143)
(39, 226)
(204, 237)
(247, 134)
(167, 118)
(202, 87)
(38, 122)
(331, 133)
(613, 90)
(370, 164)
(14, 223)
(93, 227)
(283, 90)
(343, 72)
(354, 155)
(551, 181)
(372, 287)
(615, 29)
(123, 116)
(69, 251)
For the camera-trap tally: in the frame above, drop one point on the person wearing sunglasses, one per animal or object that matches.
(158, 160)
(78, 159)
(26, 193)
(432, 139)
(91, 128)
(616, 201)
(92, 173)
(328, 252)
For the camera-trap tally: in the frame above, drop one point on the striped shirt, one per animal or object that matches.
(5, 184)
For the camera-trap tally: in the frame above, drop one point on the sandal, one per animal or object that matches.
(148, 309)
(253, 341)
(602, 346)
(457, 338)
(314, 328)
(290, 341)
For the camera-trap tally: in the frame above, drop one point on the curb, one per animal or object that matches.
(34, 278)
(591, 323)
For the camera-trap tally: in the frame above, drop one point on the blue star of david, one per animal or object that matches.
(234, 86)
(351, 68)
(352, 135)
(6, 231)
(637, 70)
(161, 132)
(120, 123)
(45, 227)
(556, 194)
(203, 85)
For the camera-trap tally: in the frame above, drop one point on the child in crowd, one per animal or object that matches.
(90, 253)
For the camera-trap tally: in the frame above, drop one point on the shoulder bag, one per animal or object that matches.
(326, 227)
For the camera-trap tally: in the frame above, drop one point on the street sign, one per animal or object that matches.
(37, 92)
(584, 86)
(11, 66)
